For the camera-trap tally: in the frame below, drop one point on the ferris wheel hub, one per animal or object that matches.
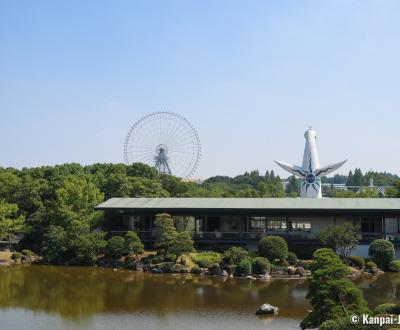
(161, 148)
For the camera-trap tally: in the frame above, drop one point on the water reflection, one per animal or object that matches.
(380, 289)
(96, 298)
(78, 293)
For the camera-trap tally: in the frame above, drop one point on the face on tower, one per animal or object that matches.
(310, 178)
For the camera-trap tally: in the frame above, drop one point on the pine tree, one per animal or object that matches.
(358, 177)
(293, 187)
(165, 231)
(183, 244)
(350, 179)
(331, 294)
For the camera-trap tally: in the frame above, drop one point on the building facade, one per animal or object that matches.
(244, 221)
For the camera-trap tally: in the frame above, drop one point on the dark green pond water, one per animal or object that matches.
(48, 297)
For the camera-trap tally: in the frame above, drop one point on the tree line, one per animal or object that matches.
(53, 206)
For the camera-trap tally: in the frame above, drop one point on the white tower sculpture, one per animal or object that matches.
(310, 173)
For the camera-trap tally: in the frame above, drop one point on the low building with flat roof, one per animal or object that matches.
(244, 221)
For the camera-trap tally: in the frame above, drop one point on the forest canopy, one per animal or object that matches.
(57, 201)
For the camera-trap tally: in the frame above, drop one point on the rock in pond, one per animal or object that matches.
(266, 309)
(224, 273)
(301, 271)
(138, 266)
(291, 270)
(215, 269)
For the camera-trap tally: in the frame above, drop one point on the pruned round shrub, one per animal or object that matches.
(370, 265)
(382, 251)
(394, 266)
(27, 253)
(387, 308)
(273, 247)
(357, 261)
(115, 247)
(244, 267)
(16, 256)
(261, 265)
(234, 255)
(170, 257)
(292, 258)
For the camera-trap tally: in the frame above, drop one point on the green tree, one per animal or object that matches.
(83, 243)
(183, 244)
(116, 247)
(133, 244)
(331, 294)
(273, 247)
(343, 239)
(394, 192)
(10, 222)
(382, 251)
(368, 193)
(54, 245)
(165, 231)
(293, 187)
(357, 177)
(76, 199)
(350, 179)
(9, 186)
(72, 222)
(234, 255)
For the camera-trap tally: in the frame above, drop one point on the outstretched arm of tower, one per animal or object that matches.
(328, 169)
(296, 170)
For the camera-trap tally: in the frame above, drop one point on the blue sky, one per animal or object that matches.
(250, 75)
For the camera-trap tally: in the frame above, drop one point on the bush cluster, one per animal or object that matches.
(370, 265)
(387, 308)
(394, 266)
(16, 256)
(170, 257)
(261, 265)
(244, 267)
(272, 248)
(206, 259)
(27, 253)
(343, 323)
(292, 258)
(234, 255)
(382, 251)
(170, 267)
(357, 261)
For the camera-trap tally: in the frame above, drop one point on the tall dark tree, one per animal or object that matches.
(293, 187)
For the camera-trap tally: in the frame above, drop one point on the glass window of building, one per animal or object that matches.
(371, 225)
(276, 225)
(257, 223)
(300, 225)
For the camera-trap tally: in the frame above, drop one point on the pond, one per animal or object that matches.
(50, 297)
